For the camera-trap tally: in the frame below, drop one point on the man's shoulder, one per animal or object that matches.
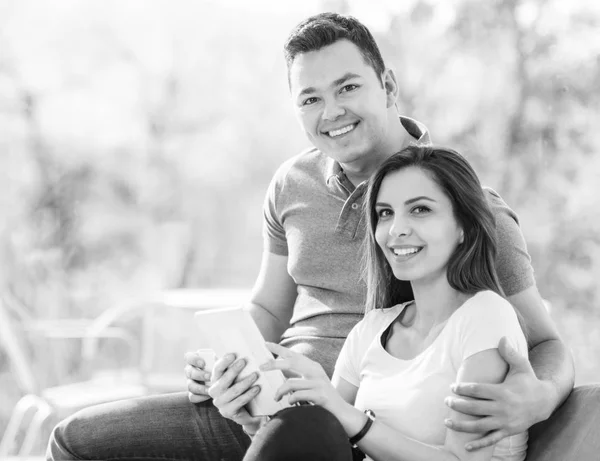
(498, 205)
(310, 161)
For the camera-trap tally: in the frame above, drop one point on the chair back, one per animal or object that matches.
(572, 432)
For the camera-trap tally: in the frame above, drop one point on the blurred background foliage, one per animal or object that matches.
(137, 139)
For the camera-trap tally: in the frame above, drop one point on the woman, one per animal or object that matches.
(428, 223)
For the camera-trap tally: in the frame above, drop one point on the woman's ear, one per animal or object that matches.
(461, 237)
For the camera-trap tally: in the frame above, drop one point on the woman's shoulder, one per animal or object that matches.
(487, 305)
(377, 318)
(384, 313)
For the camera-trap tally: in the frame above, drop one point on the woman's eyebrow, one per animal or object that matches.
(416, 199)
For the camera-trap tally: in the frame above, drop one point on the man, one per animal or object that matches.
(308, 293)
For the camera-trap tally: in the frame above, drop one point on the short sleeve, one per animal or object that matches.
(513, 263)
(348, 362)
(483, 321)
(273, 231)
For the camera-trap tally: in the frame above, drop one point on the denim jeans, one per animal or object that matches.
(165, 427)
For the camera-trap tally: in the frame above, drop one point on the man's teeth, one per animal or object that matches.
(405, 251)
(341, 131)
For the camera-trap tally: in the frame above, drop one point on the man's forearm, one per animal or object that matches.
(553, 364)
(270, 326)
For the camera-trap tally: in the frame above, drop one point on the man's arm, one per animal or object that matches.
(532, 389)
(549, 356)
(273, 297)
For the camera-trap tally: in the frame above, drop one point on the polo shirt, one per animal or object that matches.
(313, 215)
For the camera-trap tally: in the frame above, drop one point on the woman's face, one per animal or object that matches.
(416, 228)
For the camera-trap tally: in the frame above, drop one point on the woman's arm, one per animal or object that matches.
(384, 443)
(532, 389)
(381, 441)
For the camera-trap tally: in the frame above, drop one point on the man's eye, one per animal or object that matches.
(420, 210)
(309, 101)
(347, 88)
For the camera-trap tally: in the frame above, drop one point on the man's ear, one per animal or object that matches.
(390, 85)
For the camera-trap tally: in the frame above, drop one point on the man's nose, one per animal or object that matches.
(332, 110)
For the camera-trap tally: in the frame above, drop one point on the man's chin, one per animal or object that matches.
(342, 154)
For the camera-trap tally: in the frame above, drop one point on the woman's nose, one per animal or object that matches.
(400, 227)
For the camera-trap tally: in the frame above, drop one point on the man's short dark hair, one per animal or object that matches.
(325, 29)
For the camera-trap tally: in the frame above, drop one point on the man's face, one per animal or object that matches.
(340, 102)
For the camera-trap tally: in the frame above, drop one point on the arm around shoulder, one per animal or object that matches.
(550, 358)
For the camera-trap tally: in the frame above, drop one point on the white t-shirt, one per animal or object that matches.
(408, 395)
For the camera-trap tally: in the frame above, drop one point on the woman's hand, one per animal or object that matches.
(230, 397)
(198, 376)
(311, 384)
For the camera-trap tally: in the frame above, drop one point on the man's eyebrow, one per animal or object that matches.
(347, 76)
(344, 78)
(308, 90)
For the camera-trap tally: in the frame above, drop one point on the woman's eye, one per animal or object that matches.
(347, 88)
(420, 210)
(384, 213)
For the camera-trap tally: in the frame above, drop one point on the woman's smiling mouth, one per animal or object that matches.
(403, 253)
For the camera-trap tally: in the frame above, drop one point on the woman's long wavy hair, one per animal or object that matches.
(471, 267)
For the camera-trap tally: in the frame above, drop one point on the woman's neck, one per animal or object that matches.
(435, 302)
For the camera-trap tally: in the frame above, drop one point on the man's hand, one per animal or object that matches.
(230, 396)
(197, 376)
(505, 409)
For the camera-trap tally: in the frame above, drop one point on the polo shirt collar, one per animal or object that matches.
(332, 169)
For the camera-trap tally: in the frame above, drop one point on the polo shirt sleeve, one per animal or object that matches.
(513, 263)
(482, 322)
(274, 239)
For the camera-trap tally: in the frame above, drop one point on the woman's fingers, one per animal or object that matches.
(293, 385)
(224, 397)
(231, 403)
(222, 366)
(196, 374)
(279, 350)
(194, 359)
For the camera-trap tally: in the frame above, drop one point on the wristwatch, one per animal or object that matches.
(358, 437)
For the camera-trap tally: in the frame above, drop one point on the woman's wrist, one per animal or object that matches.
(352, 419)
(251, 429)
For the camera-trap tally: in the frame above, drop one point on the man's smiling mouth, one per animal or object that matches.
(341, 131)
